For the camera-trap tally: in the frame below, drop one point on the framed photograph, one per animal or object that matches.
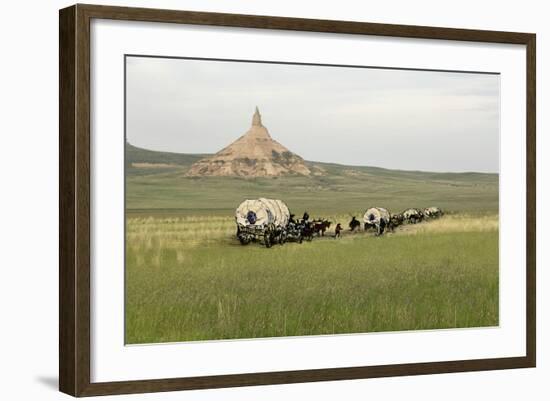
(250, 200)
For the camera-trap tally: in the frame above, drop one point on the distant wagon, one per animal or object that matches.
(413, 216)
(433, 212)
(263, 220)
(377, 218)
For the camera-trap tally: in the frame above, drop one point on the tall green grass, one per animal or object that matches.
(188, 278)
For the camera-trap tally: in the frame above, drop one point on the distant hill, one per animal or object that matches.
(140, 156)
(159, 181)
(155, 161)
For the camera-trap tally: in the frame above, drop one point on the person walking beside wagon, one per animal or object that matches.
(337, 230)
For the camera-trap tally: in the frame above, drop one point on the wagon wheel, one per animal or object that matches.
(244, 240)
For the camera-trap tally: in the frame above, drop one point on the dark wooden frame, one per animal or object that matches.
(74, 199)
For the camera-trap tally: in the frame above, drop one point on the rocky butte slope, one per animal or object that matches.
(255, 154)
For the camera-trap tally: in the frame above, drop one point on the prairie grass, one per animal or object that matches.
(188, 278)
(455, 223)
(342, 189)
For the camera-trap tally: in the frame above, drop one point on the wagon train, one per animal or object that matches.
(268, 221)
(381, 220)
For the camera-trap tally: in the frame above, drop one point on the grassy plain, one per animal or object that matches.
(188, 278)
(343, 189)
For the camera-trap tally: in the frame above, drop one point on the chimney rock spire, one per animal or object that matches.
(254, 154)
(257, 118)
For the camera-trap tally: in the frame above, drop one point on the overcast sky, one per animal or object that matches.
(398, 119)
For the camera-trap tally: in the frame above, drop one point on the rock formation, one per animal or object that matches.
(255, 154)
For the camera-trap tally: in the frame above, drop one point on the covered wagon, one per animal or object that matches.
(413, 215)
(377, 218)
(262, 220)
(433, 212)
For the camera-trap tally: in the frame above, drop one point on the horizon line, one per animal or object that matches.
(333, 163)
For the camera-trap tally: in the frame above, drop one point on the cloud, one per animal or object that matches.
(417, 120)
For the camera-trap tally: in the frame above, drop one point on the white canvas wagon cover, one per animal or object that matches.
(266, 211)
(410, 212)
(432, 210)
(375, 214)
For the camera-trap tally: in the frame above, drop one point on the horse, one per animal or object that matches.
(320, 226)
(354, 223)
